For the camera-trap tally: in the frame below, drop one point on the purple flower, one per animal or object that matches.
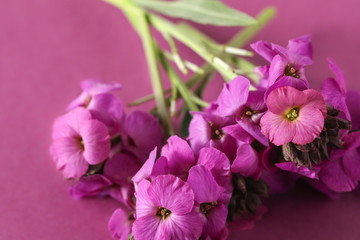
(103, 106)
(334, 90)
(179, 155)
(177, 159)
(165, 210)
(120, 223)
(245, 107)
(92, 87)
(90, 186)
(247, 162)
(142, 132)
(293, 116)
(342, 173)
(286, 65)
(120, 168)
(206, 130)
(79, 140)
(207, 193)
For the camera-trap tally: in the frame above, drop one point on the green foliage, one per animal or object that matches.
(202, 11)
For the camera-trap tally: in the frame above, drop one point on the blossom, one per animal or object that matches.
(286, 65)
(90, 186)
(207, 193)
(293, 116)
(206, 130)
(120, 223)
(245, 107)
(342, 173)
(142, 132)
(92, 87)
(79, 140)
(103, 105)
(334, 90)
(165, 210)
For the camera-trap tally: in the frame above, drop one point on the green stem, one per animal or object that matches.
(151, 56)
(138, 18)
(163, 25)
(176, 81)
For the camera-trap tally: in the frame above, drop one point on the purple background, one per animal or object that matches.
(48, 47)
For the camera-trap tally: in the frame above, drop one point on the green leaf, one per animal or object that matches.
(202, 11)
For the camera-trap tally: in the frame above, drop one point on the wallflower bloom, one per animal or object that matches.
(103, 105)
(246, 107)
(286, 64)
(208, 195)
(79, 140)
(165, 210)
(121, 222)
(293, 116)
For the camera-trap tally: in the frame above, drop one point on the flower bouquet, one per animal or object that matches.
(266, 129)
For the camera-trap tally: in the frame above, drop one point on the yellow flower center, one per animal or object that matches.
(292, 114)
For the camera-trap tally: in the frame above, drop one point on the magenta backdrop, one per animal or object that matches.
(48, 47)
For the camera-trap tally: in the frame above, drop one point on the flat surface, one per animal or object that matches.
(48, 47)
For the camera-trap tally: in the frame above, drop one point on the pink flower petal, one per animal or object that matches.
(160, 167)
(283, 99)
(89, 186)
(120, 168)
(179, 155)
(146, 227)
(215, 222)
(179, 227)
(144, 205)
(277, 68)
(75, 118)
(247, 162)
(204, 185)
(253, 129)
(335, 178)
(61, 129)
(144, 130)
(93, 86)
(237, 132)
(108, 109)
(75, 167)
(287, 81)
(333, 96)
(277, 128)
(264, 49)
(172, 193)
(217, 163)
(96, 141)
(68, 157)
(146, 170)
(309, 125)
(291, 167)
(233, 96)
(351, 163)
(119, 224)
(339, 75)
(199, 133)
(316, 100)
(301, 46)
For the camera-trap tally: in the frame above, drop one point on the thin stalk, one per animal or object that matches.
(176, 81)
(163, 25)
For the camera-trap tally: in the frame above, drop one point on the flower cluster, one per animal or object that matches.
(95, 139)
(242, 144)
(309, 131)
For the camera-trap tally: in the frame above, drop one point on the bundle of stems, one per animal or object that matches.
(230, 60)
